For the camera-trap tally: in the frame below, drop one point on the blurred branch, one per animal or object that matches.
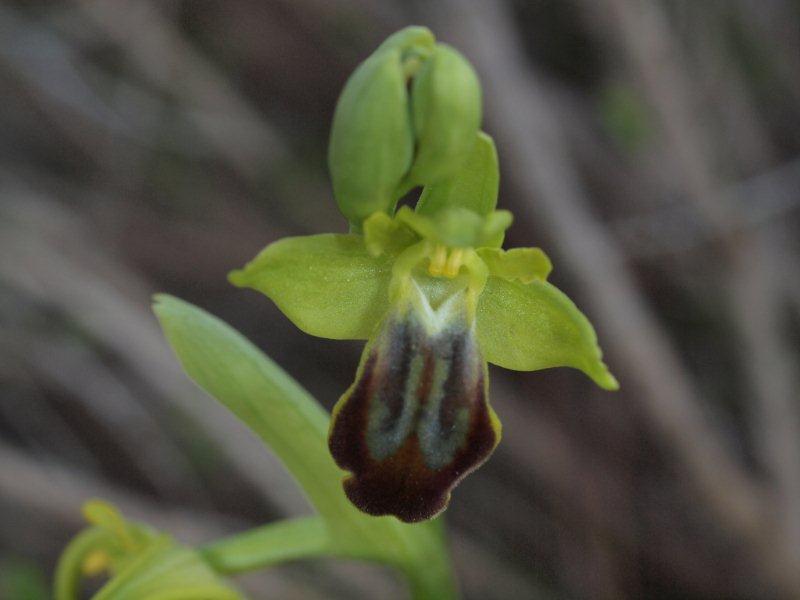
(762, 201)
(58, 492)
(24, 407)
(104, 298)
(169, 61)
(644, 33)
(55, 494)
(774, 26)
(56, 362)
(47, 71)
(539, 163)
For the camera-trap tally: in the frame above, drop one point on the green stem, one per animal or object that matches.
(430, 577)
(269, 545)
(430, 572)
(430, 583)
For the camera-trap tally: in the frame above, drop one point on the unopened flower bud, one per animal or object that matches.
(372, 140)
(446, 112)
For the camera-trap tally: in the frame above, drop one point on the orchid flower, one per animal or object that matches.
(436, 298)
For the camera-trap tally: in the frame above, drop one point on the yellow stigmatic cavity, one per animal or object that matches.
(438, 261)
(454, 262)
(444, 265)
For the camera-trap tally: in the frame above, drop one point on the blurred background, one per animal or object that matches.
(652, 148)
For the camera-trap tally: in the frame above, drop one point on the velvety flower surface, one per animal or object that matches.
(437, 298)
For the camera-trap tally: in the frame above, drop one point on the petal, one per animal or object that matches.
(526, 327)
(328, 285)
(474, 186)
(423, 225)
(458, 227)
(417, 419)
(382, 234)
(523, 264)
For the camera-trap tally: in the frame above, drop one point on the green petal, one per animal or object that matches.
(474, 186)
(382, 234)
(522, 264)
(328, 285)
(414, 38)
(526, 327)
(457, 227)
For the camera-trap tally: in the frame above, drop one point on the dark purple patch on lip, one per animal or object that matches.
(460, 432)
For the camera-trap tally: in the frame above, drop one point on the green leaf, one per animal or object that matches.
(294, 426)
(328, 285)
(289, 421)
(456, 226)
(269, 545)
(527, 327)
(23, 579)
(474, 186)
(522, 264)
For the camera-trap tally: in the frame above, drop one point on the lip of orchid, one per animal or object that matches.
(417, 419)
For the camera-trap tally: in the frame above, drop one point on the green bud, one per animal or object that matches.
(139, 562)
(446, 108)
(372, 144)
(414, 39)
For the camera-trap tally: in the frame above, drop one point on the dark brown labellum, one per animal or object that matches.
(416, 421)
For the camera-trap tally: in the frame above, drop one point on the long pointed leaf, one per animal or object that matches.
(294, 426)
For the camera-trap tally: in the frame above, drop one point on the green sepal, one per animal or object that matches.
(527, 327)
(414, 39)
(446, 109)
(372, 143)
(383, 234)
(457, 227)
(474, 186)
(328, 285)
(520, 264)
